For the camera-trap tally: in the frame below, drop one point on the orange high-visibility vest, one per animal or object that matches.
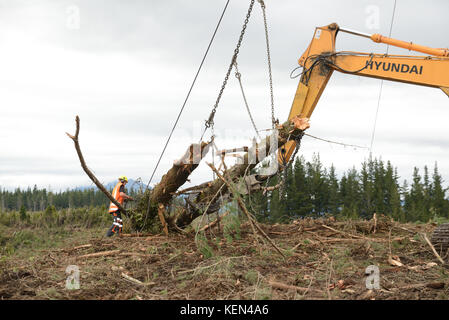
(116, 195)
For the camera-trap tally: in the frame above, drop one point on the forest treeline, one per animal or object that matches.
(36, 199)
(309, 189)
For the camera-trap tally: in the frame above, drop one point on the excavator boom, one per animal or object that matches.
(320, 60)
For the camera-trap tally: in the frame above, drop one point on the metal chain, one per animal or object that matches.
(210, 121)
(262, 5)
(238, 75)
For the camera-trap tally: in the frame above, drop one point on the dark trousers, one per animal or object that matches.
(117, 224)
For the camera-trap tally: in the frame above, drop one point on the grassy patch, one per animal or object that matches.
(29, 241)
(251, 276)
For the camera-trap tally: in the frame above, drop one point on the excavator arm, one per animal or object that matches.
(320, 60)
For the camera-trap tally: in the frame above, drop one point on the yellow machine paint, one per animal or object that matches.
(431, 71)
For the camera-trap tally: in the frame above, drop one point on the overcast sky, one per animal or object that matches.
(125, 67)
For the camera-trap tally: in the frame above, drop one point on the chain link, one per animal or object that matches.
(210, 121)
(262, 5)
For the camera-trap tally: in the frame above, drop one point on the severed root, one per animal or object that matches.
(290, 131)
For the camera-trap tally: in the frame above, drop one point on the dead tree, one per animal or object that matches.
(100, 186)
(206, 194)
(155, 201)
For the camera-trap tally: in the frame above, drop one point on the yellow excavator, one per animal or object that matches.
(320, 60)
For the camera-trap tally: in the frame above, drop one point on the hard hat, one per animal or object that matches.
(123, 178)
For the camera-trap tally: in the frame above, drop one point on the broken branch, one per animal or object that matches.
(86, 169)
(160, 212)
(99, 254)
(213, 223)
(433, 248)
(138, 282)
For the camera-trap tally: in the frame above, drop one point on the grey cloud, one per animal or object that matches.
(173, 36)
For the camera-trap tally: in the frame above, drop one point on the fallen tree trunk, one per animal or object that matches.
(155, 201)
(151, 206)
(206, 193)
(179, 173)
(290, 130)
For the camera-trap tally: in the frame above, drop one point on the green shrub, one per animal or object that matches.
(50, 216)
(9, 219)
(439, 220)
(91, 217)
(203, 246)
(19, 239)
(23, 214)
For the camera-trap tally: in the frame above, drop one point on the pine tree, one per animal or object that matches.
(333, 199)
(23, 213)
(392, 194)
(404, 194)
(439, 204)
(318, 189)
(275, 206)
(350, 194)
(415, 202)
(367, 188)
(300, 195)
(288, 198)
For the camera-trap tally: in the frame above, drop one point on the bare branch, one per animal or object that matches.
(86, 169)
(433, 248)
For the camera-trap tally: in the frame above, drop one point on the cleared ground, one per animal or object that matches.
(324, 259)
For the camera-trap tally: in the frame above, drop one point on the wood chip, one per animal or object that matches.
(395, 261)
